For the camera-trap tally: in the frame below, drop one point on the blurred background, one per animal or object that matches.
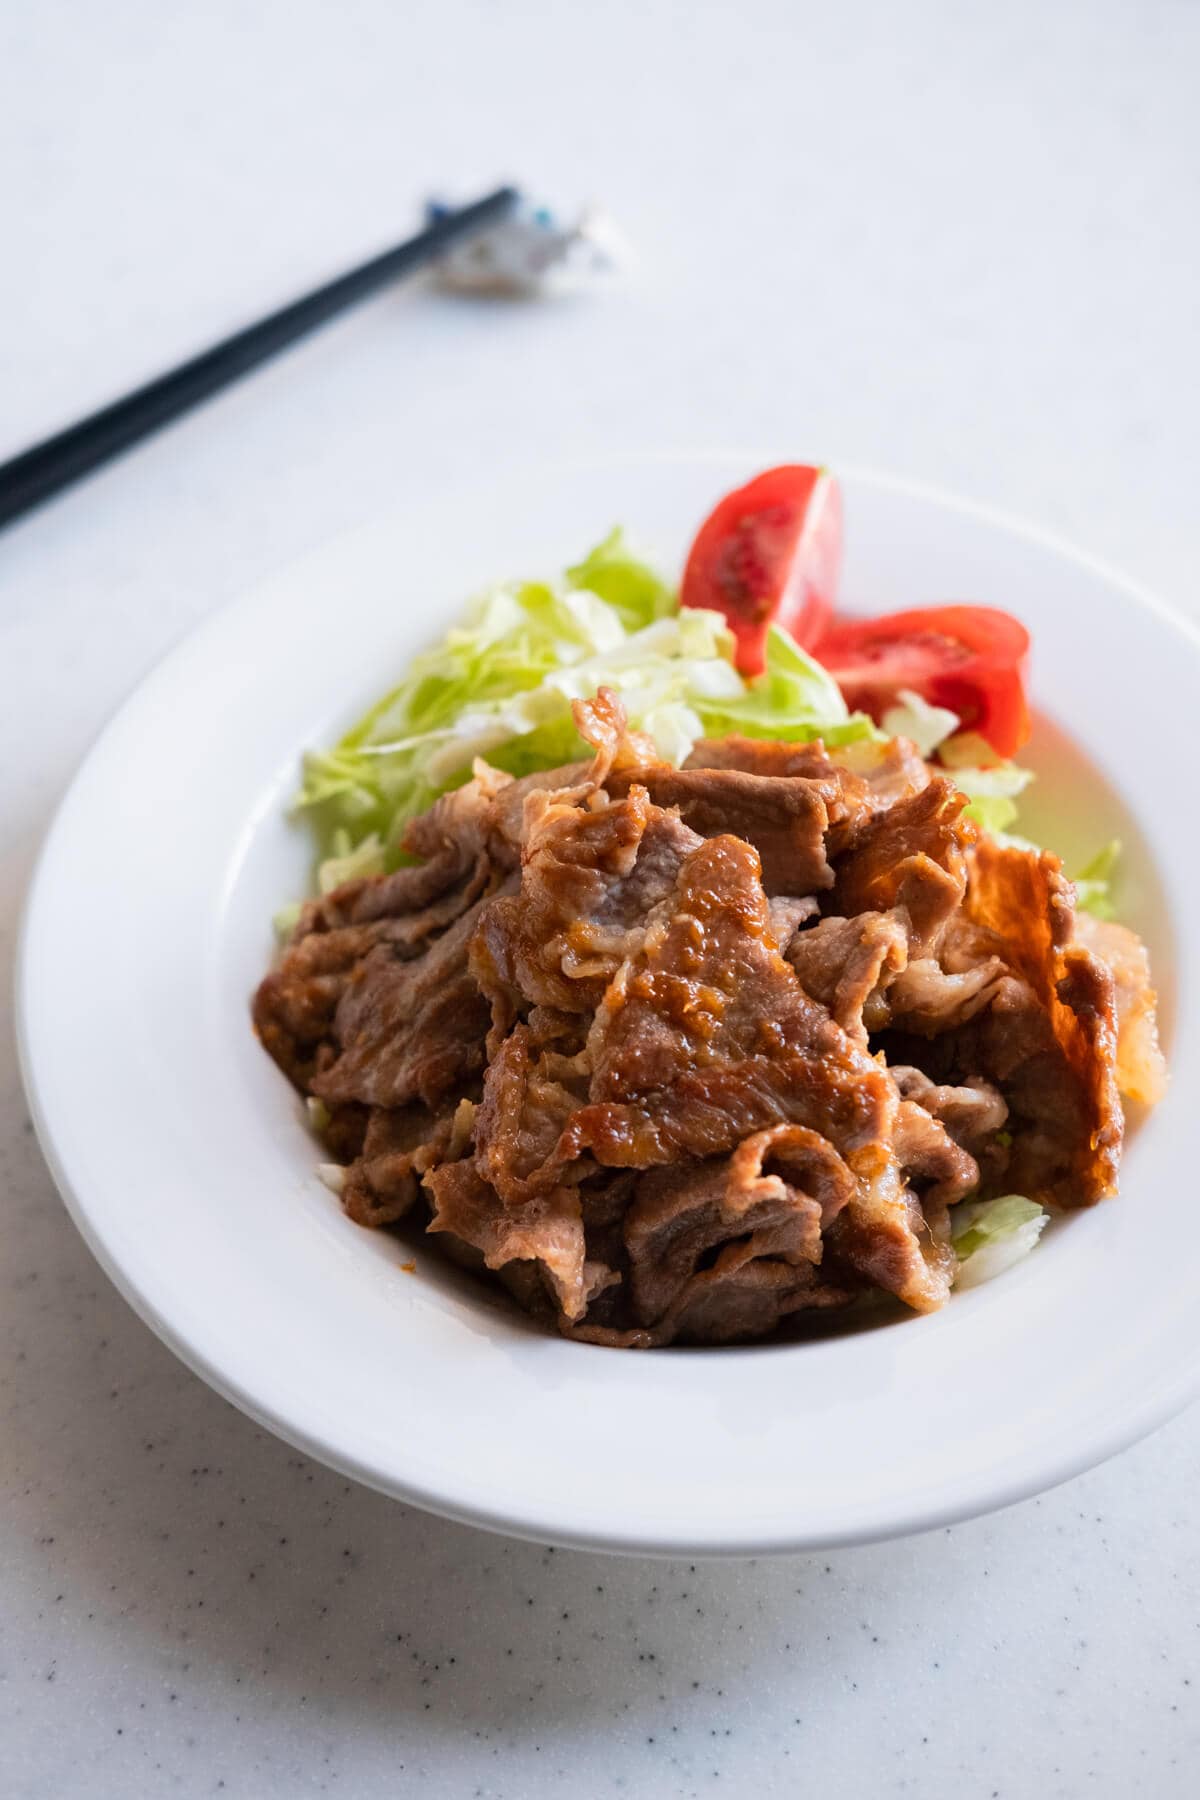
(954, 242)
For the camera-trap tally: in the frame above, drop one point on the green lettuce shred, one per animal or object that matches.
(992, 793)
(989, 1236)
(1093, 883)
(500, 686)
(286, 920)
(917, 719)
(630, 587)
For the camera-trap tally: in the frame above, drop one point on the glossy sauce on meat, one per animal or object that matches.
(679, 1055)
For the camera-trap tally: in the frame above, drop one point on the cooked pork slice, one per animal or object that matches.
(706, 1034)
(591, 874)
(886, 1239)
(893, 770)
(745, 1296)
(1064, 1092)
(547, 1231)
(788, 913)
(848, 963)
(505, 824)
(773, 757)
(408, 1030)
(848, 798)
(872, 775)
(926, 998)
(1141, 1066)
(296, 1004)
(931, 1157)
(913, 855)
(787, 821)
(972, 1112)
(525, 1109)
(677, 1054)
(770, 1198)
(678, 1225)
(400, 1144)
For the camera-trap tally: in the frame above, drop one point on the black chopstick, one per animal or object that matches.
(33, 476)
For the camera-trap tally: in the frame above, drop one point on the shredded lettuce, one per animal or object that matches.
(1094, 881)
(917, 719)
(793, 699)
(631, 588)
(989, 1236)
(993, 792)
(500, 686)
(349, 862)
(990, 783)
(286, 920)
(967, 750)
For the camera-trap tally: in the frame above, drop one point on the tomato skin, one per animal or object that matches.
(972, 659)
(770, 552)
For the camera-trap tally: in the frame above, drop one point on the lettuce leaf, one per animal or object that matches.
(793, 699)
(920, 721)
(989, 1236)
(633, 590)
(1094, 881)
(990, 783)
(286, 919)
(351, 862)
(992, 793)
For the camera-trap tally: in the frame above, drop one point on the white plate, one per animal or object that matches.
(183, 1158)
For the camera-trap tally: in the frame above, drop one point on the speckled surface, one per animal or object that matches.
(964, 241)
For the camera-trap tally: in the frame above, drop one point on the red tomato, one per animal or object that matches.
(972, 659)
(770, 551)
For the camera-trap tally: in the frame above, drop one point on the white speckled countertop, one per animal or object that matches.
(956, 242)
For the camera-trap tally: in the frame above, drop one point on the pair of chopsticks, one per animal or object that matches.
(36, 474)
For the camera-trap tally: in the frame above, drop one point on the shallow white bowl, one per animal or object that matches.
(184, 1160)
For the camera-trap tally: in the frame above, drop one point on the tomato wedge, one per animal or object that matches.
(770, 552)
(973, 659)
